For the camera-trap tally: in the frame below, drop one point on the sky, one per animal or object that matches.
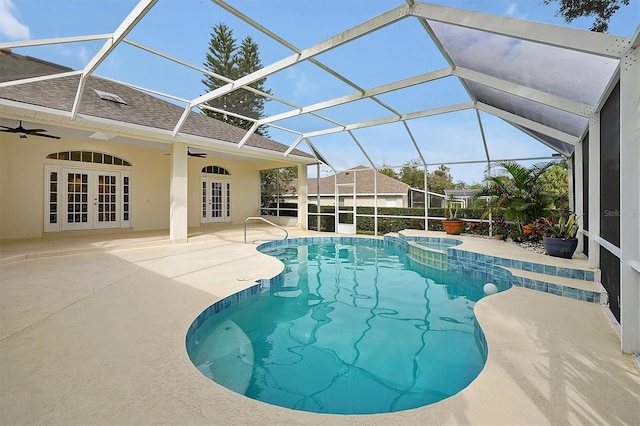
(182, 28)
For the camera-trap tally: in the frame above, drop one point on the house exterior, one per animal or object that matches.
(117, 164)
(357, 186)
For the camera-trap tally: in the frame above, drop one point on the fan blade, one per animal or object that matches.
(33, 131)
(196, 154)
(44, 136)
(9, 129)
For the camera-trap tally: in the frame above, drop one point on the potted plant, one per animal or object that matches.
(559, 236)
(518, 195)
(452, 225)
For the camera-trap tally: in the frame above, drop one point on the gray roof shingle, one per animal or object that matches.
(140, 109)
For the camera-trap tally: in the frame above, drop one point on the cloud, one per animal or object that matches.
(512, 11)
(9, 24)
(301, 83)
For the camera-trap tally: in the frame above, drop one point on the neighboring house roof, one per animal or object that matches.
(364, 178)
(140, 108)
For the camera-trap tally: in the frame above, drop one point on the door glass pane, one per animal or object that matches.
(204, 199)
(77, 193)
(216, 199)
(107, 198)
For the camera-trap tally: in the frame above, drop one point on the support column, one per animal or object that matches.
(630, 202)
(178, 222)
(577, 198)
(594, 190)
(303, 197)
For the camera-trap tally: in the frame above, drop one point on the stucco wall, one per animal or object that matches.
(22, 163)
(20, 180)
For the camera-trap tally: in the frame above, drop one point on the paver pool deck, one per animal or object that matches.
(92, 331)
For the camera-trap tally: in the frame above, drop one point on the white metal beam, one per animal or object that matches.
(594, 190)
(525, 122)
(630, 201)
(411, 116)
(39, 78)
(484, 139)
(567, 38)
(222, 111)
(56, 40)
(201, 70)
(247, 135)
(319, 156)
(358, 31)
(293, 146)
(401, 84)
(578, 199)
(443, 51)
(293, 48)
(415, 144)
(146, 90)
(121, 32)
(564, 104)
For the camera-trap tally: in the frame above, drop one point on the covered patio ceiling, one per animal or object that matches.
(450, 65)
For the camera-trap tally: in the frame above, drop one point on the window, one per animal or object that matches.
(89, 157)
(215, 170)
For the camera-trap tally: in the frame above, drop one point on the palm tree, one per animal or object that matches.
(519, 194)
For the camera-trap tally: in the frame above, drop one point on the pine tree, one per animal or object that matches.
(248, 59)
(228, 59)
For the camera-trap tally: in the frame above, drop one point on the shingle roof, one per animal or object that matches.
(364, 178)
(140, 109)
(13, 67)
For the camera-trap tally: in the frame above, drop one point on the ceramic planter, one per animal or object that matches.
(560, 247)
(453, 227)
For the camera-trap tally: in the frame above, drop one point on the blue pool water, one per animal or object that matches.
(351, 329)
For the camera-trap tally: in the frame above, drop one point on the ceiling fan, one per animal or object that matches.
(27, 132)
(196, 154)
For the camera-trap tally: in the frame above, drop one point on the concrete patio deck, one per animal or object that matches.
(92, 331)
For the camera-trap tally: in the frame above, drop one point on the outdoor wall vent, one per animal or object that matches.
(110, 97)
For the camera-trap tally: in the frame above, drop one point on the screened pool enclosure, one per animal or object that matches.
(404, 81)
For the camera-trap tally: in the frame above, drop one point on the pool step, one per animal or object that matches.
(588, 291)
(426, 256)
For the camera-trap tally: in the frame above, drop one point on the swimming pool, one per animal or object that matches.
(354, 328)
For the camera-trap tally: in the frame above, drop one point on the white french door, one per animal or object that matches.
(106, 200)
(79, 199)
(215, 200)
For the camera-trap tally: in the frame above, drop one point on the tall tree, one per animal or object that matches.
(412, 174)
(441, 179)
(601, 10)
(555, 181)
(226, 58)
(388, 171)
